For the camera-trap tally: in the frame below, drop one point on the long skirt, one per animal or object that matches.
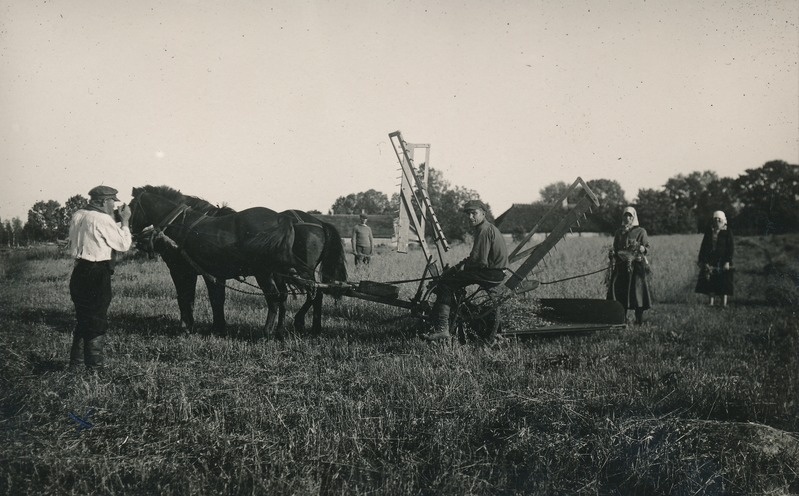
(716, 282)
(629, 286)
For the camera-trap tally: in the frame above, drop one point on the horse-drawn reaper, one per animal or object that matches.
(284, 249)
(475, 307)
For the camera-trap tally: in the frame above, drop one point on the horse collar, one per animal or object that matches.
(173, 215)
(301, 222)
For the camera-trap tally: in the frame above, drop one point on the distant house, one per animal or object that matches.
(382, 226)
(520, 219)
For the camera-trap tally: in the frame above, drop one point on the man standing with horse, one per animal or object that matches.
(93, 237)
(484, 266)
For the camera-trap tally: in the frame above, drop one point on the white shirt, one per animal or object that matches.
(92, 236)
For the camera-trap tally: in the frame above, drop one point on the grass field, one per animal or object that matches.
(698, 400)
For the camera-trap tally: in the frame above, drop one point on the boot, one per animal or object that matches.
(93, 352)
(440, 330)
(75, 359)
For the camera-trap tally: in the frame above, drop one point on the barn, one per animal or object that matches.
(382, 226)
(520, 218)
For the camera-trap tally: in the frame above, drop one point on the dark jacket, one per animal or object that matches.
(721, 253)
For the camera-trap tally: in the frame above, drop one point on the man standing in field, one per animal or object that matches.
(362, 241)
(485, 266)
(93, 236)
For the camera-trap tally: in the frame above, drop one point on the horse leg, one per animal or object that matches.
(280, 296)
(299, 317)
(269, 288)
(216, 294)
(317, 313)
(186, 286)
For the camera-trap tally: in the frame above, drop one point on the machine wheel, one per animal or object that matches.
(474, 315)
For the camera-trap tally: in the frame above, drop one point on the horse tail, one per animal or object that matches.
(334, 262)
(275, 244)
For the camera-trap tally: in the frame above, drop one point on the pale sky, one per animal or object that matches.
(288, 104)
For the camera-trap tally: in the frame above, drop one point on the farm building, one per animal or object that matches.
(520, 218)
(382, 226)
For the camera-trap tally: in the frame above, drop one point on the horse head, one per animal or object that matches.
(138, 217)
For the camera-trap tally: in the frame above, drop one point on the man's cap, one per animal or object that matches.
(103, 192)
(474, 205)
(363, 216)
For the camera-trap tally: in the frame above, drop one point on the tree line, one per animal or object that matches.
(764, 200)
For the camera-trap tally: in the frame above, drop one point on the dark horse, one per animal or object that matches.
(195, 238)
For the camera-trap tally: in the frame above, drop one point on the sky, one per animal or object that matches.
(288, 104)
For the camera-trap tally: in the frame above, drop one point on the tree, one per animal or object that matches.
(447, 203)
(44, 221)
(611, 203)
(658, 214)
(453, 222)
(608, 191)
(369, 202)
(552, 193)
(771, 192)
(685, 192)
(72, 205)
(13, 231)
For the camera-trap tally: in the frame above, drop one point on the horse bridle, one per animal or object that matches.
(148, 234)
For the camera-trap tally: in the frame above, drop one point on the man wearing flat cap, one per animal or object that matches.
(93, 237)
(485, 266)
(362, 241)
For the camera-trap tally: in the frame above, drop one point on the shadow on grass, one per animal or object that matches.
(59, 320)
(42, 365)
(160, 325)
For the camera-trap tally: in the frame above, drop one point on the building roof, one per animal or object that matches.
(382, 225)
(522, 217)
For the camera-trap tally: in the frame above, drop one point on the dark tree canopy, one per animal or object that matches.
(685, 190)
(368, 202)
(446, 200)
(770, 198)
(658, 214)
(611, 203)
(46, 221)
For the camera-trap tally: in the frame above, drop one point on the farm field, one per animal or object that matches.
(698, 400)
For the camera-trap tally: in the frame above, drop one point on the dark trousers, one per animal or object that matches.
(451, 282)
(90, 289)
(362, 254)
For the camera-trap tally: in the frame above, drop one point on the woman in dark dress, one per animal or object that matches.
(628, 278)
(715, 260)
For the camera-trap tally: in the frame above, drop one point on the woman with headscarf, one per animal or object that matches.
(715, 260)
(629, 266)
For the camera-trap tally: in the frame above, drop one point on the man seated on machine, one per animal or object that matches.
(484, 266)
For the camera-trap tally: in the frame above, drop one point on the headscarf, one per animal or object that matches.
(632, 211)
(718, 214)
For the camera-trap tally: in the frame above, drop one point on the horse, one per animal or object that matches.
(184, 276)
(279, 249)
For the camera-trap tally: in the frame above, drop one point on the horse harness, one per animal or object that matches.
(158, 231)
